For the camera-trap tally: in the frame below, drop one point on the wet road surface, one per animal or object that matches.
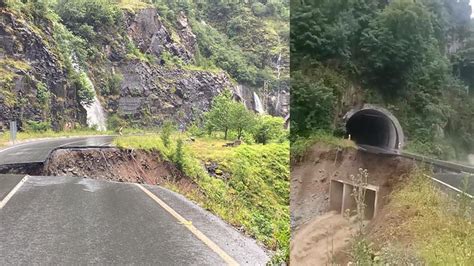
(73, 220)
(38, 151)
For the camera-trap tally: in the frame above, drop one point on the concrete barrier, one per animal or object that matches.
(341, 198)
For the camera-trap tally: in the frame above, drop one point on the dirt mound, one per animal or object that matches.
(310, 177)
(115, 164)
(318, 237)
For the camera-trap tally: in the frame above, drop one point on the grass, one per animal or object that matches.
(301, 145)
(133, 5)
(256, 195)
(429, 225)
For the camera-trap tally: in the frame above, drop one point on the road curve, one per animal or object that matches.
(38, 151)
(74, 220)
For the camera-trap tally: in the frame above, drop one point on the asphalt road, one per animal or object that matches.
(38, 151)
(73, 220)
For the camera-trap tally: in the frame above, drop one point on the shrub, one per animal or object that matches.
(179, 155)
(34, 126)
(167, 129)
(114, 121)
(84, 89)
(42, 93)
(269, 128)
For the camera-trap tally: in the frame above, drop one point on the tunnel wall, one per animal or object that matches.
(396, 139)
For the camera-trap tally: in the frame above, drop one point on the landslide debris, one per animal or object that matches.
(122, 165)
(309, 198)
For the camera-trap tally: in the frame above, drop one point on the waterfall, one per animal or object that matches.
(470, 159)
(278, 66)
(95, 113)
(258, 104)
(240, 94)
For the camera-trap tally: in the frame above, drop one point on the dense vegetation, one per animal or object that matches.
(412, 57)
(245, 38)
(229, 116)
(422, 226)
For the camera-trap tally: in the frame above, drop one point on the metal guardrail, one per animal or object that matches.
(449, 166)
(442, 164)
(448, 188)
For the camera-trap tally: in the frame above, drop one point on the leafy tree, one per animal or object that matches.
(85, 17)
(399, 38)
(219, 117)
(312, 105)
(227, 114)
(241, 118)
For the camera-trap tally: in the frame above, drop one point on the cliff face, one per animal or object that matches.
(142, 72)
(28, 65)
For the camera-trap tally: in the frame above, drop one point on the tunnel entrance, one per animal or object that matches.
(374, 126)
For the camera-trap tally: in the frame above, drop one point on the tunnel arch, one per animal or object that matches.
(374, 126)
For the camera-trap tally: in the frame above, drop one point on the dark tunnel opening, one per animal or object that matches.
(374, 128)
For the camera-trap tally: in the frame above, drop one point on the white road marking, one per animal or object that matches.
(226, 257)
(13, 191)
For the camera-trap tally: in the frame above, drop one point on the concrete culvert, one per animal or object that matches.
(374, 126)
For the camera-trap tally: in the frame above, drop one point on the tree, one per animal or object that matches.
(227, 114)
(396, 41)
(268, 128)
(312, 105)
(219, 117)
(241, 118)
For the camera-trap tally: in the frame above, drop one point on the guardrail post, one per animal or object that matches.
(13, 131)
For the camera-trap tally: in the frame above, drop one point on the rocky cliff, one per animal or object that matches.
(33, 81)
(141, 69)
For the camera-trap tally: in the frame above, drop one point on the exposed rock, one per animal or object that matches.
(21, 43)
(169, 93)
(150, 34)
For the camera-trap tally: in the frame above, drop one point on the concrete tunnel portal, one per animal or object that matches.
(374, 126)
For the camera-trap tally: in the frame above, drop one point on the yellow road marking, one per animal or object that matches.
(13, 191)
(228, 259)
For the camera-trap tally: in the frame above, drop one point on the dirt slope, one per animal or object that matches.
(312, 226)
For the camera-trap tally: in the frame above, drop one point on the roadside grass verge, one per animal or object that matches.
(302, 144)
(426, 224)
(255, 195)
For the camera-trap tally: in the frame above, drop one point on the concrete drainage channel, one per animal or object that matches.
(341, 198)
